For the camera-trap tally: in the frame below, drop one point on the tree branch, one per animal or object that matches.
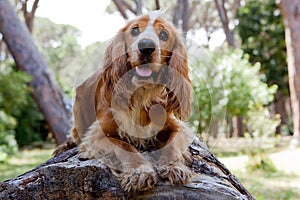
(129, 7)
(225, 22)
(34, 7)
(157, 5)
(120, 8)
(139, 6)
(29, 16)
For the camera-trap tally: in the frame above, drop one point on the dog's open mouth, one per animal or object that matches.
(145, 74)
(143, 71)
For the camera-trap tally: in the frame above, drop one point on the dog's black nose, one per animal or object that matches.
(146, 46)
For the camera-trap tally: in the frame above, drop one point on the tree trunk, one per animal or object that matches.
(238, 126)
(67, 177)
(214, 128)
(157, 5)
(185, 16)
(48, 96)
(220, 4)
(280, 108)
(177, 13)
(290, 10)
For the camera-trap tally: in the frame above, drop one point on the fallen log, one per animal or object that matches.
(67, 177)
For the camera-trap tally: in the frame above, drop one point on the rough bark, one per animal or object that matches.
(67, 177)
(48, 96)
(290, 10)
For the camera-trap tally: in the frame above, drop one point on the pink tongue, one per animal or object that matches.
(143, 71)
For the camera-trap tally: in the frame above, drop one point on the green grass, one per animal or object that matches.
(22, 162)
(270, 186)
(264, 182)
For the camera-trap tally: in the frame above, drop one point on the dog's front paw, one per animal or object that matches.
(139, 179)
(84, 153)
(176, 174)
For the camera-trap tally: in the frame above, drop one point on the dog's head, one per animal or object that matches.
(150, 50)
(149, 43)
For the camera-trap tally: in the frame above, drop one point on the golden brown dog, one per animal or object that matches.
(131, 113)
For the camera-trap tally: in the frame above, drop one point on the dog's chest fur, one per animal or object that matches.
(145, 118)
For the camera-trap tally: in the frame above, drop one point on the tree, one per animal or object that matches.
(50, 99)
(181, 13)
(262, 32)
(134, 7)
(59, 45)
(290, 10)
(223, 13)
(229, 84)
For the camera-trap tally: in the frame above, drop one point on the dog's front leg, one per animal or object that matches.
(135, 173)
(172, 165)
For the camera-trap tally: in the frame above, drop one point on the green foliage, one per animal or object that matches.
(8, 144)
(13, 89)
(208, 90)
(21, 122)
(260, 126)
(60, 47)
(262, 32)
(261, 162)
(31, 124)
(232, 86)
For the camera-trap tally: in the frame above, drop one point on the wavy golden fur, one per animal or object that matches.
(131, 112)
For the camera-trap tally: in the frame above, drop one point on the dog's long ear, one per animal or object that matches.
(95, 92)
(84, 105)
(180, 89)
(115, 59)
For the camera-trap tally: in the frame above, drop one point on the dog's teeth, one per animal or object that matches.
(143, 71)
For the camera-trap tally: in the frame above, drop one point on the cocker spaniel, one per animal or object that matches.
(131, 113)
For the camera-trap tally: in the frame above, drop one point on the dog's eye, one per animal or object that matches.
(135, 31)
(163, 35)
